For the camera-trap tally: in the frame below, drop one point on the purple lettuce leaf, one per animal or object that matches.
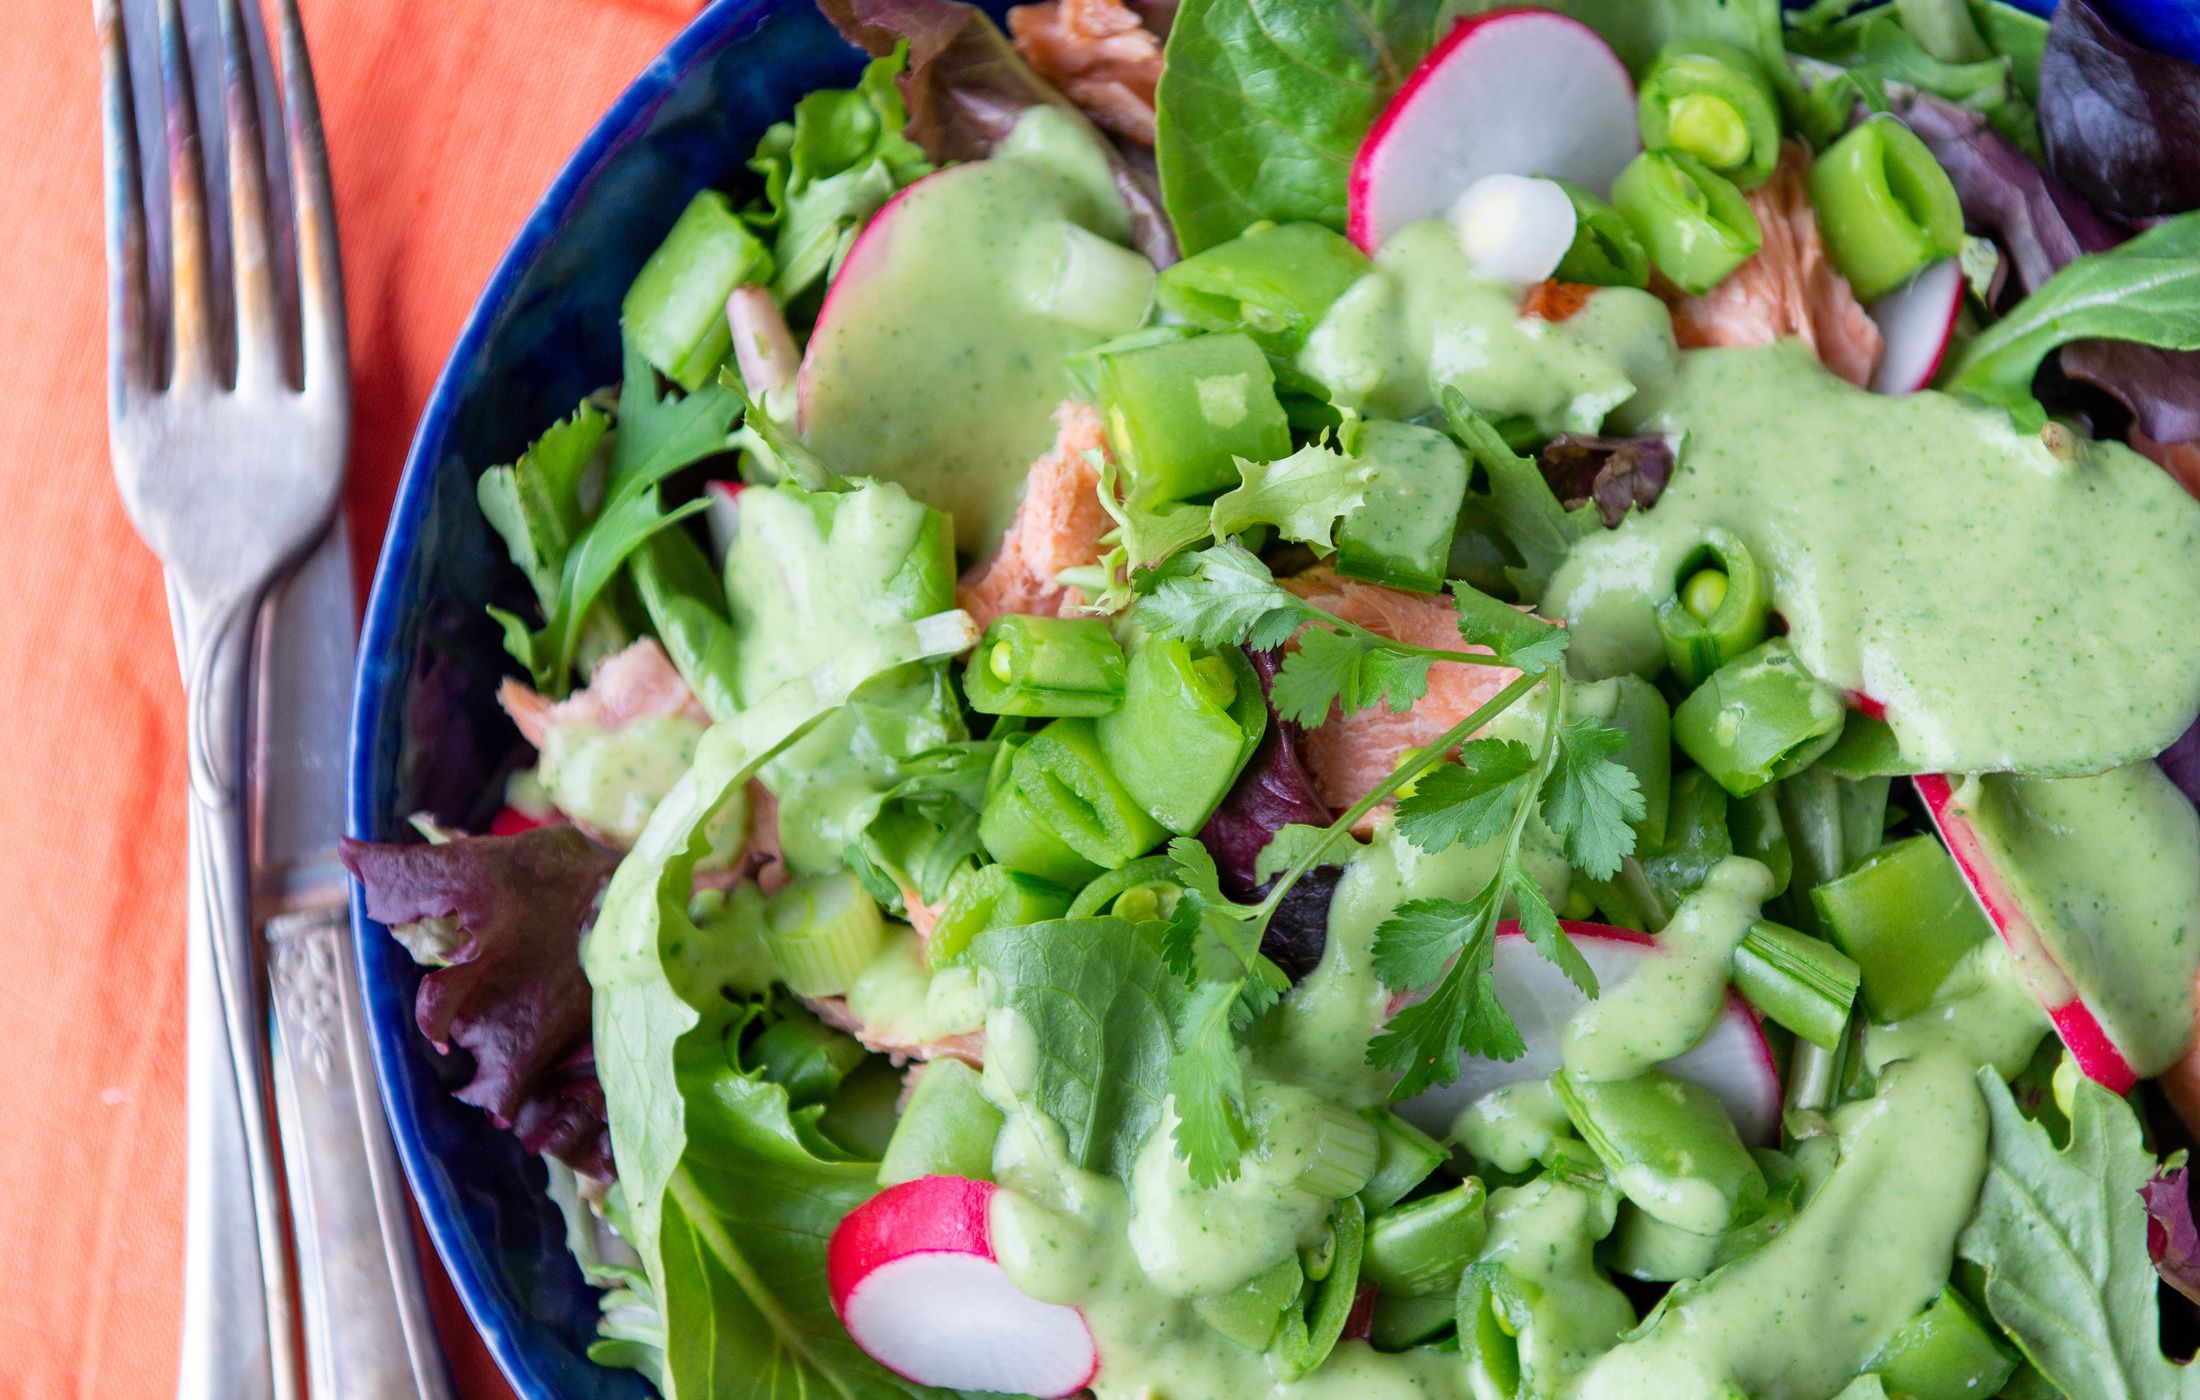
(1617, 473)
(2121, 123)
(2042, 224)
(2173, 1241)
(966, 85)
(2181, 761)
(1272, 793)
(513, 996)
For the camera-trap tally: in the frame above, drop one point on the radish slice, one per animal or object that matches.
(2081, 1030)
(1917, 321)
(1733, 1061)
(1514, 228)
(1512, 92)
(723, 514)
(763, 348)
(867, 257)
(914, 1279)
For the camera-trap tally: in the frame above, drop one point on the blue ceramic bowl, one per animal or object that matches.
(426, 731)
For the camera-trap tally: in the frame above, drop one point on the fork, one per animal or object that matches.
(230, 459)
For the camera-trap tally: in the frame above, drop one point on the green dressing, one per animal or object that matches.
(1544, 1235)
(896, 997)
(1925, 553)
(1513, 1128)
(612, 780)
(1190, 1240)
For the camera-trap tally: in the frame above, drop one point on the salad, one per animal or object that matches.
(1307, 700)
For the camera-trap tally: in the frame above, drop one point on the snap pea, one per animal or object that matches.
(1908, 919)
(1274, 282)
(1605, 251)
(1400, 1322)
(1696, 225)
(1069, 789)
(1047, 667)
(948, 1129)
(1014, 833)
(675, 312)
(1720, 607)
(1710, 100)
(1802, 983)
(1754, 821)
(1400, 535)
(1945, 1353)
(1885, 205)
(1697, 837)
(687, 610)
(1420, 1250)
(1404, 1157)
(1669, 1146)
(1759, 717)
(1250, 1313)
(1181, 412)
(1187, 725)
(1109, 886)
(982, 898)
(1311, 1331)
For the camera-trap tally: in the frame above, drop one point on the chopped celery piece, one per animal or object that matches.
(1759, 717)
(1340, 1153)
(1400, 535)
(675, 312)
(1669, 1146)
(947, 1130)
(1946, 1352)
(1182, 412)
(1420, 1250)
(1248, 1314)
(1404, 1158)
(1045, 667)
(822, 931)
(1274, 282)
(1803, 983)
(1907, 917)
(1069, 789)
(1187, 725)
(986, 898)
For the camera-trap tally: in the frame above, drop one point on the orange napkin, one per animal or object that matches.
(447, 119)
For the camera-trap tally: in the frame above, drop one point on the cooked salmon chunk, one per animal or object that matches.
(1098, 54)
(639, 682)
(1057, 527)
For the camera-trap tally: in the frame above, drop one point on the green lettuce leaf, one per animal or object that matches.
(2062, 1236)
(1263, 104)
(1302, 495)
(726, 1206)
(534, 504)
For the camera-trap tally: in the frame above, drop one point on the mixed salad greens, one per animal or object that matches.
(1274, 699)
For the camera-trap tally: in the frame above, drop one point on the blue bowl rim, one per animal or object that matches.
(386, 609)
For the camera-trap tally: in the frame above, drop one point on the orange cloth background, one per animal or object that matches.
(446, 120)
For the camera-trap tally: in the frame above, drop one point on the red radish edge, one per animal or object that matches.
(1866, 706)
(1918, 323)
(869, 243)
(1761, 1108)
(1361, 226)
(928, 1223)
(2073, 1020)
(511, 821)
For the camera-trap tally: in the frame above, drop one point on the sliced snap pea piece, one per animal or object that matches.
(1710, 100)
(1696, 225)
(1758, 718)
(1045, 667)
(1907, 918)
(1721, 606)
(1887, 208)
(1180, 414)
(1187, 725)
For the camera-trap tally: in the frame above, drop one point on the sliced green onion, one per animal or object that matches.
(1710, 100)
(675, 312)
(1606, 251)
(1180, 414)
(986, 898)
(1946, 1352)
(1800, 982)
(1339, 1154)
(1696, 225)
(1186, 728)
(1887, 208)
(1404, 1158)
(1274, 281)
(1908, 919)
(1760, 717)
(1421, 1249)
(1045, 667)
(822, 931)
(948, 1129)
(1720, 608)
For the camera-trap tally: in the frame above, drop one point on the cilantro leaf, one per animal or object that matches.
(1424, 1042)
(1195, 869)
(1221, 596)
(1589, 800)
(1542, 530)
(1292, 842)
(1348, 669)
(2062, 1236)
(1396, 678)
(1207, 1080)
(1520, 639)
(1302, 495)
(1413, 945)
(1470, 802)
(1539, 923)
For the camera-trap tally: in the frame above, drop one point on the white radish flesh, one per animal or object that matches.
(1917, 321)
(1514, 228)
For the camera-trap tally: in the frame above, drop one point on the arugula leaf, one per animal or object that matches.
(2146, 290)
(1590, 800)
(1539, 923)
(830, 169)
(1263, 103)
(1520, 639)
(625, 526)
(535, 503)
(1302, 495)
(1221, 596)
(1293, 842)
(660, 433)
(1469, 802)
(1538, 527)
(1099, 1003)
(2062, 1236)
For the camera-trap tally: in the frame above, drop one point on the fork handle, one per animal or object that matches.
(214, 641)
(369, 1334)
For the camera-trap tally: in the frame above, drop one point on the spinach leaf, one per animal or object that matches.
(2146, 290)
(727, 1206)
(2062, 1236)
(1099, 1003)
(1263, 104)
